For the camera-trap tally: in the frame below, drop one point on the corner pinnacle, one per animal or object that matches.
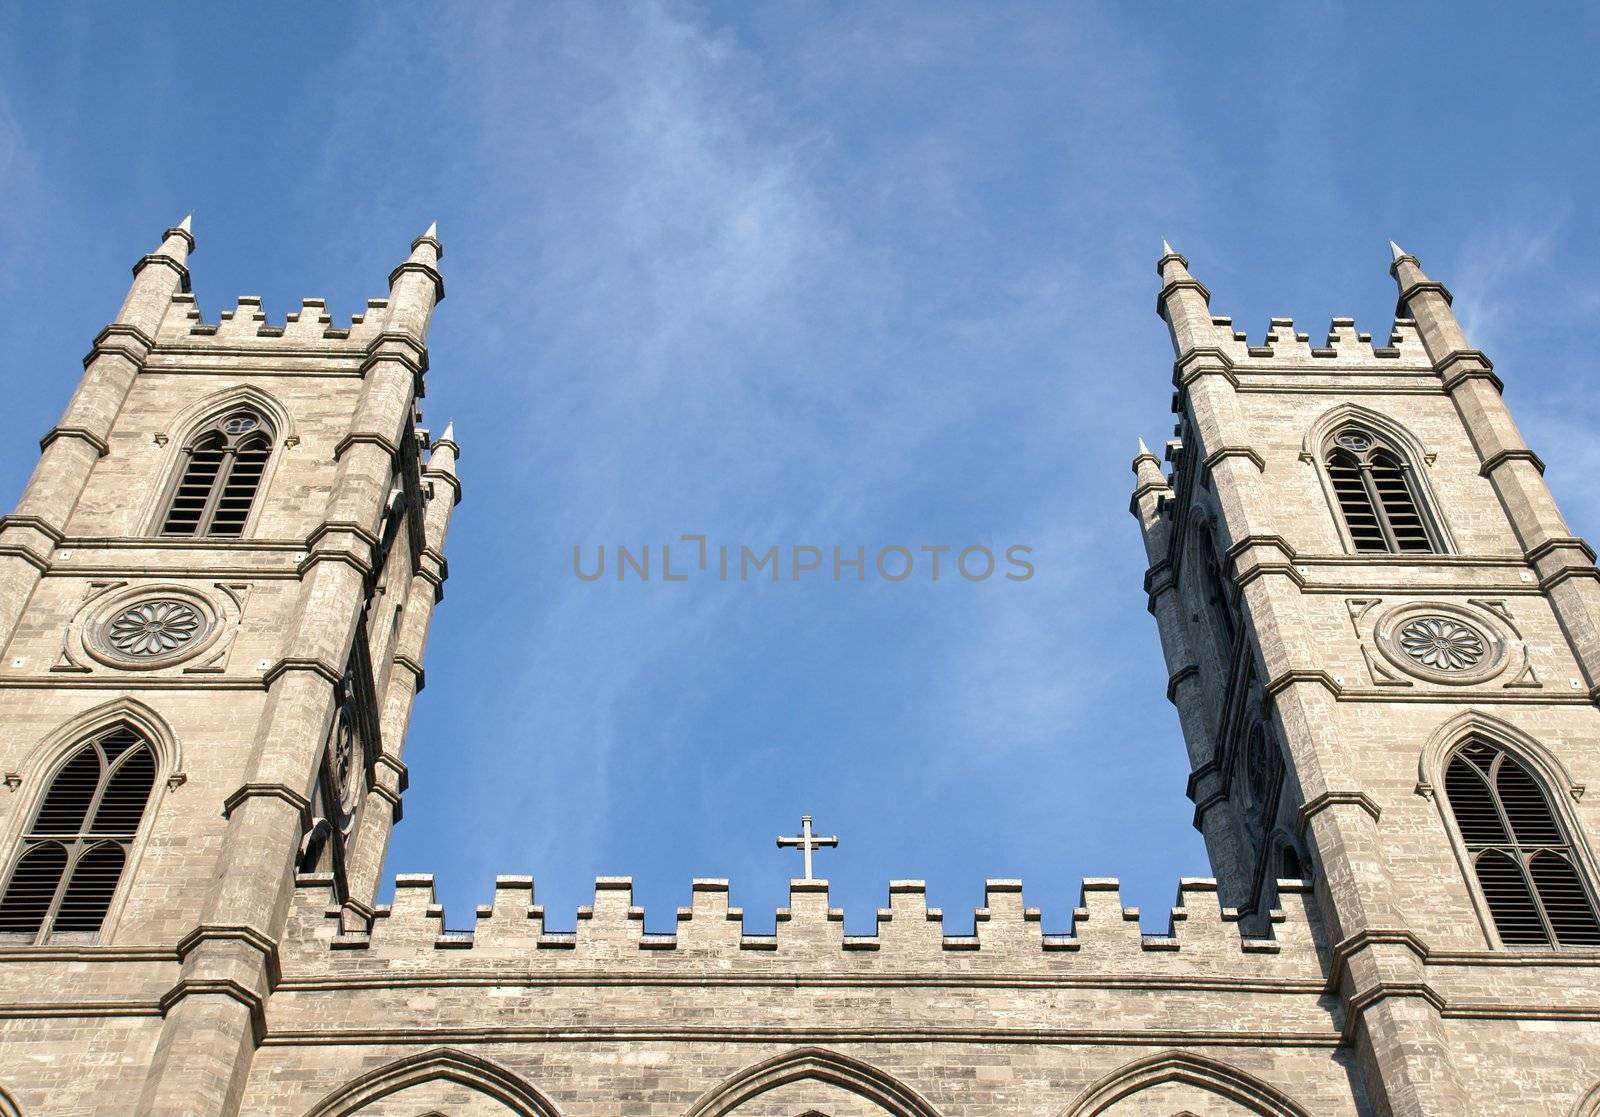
(187, 224)
(1144, 450)
(449, 434)
(433, 230)
(1397, 250)
(1166, 249)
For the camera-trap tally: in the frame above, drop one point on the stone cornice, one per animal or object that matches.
(1173, 286)
(301, 663)
(1287, 679)
(289, 795)
(249, 936)
(156, 258)
(252, 1001)
(1319, 803)
(1494, 461)
(1202, 361)
(121, 340)
(1460, 365)
(365, 438)
(419, 268)
(1177, 679)
(101, 447)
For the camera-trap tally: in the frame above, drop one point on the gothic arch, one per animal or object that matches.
(1547, 768)
(47, 757)
(818, 1064)
(1430, 762)
(184, 425)
(1315, 444)
(210, 408)
(1589, 1104)
(444, 1063)
(1184, 1067)
(52, 749)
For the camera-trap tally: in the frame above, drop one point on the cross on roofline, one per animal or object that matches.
(806, 841)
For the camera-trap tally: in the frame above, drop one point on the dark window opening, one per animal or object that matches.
(1526, 867)
(219, 478)
(1377, 497)
(72, 856)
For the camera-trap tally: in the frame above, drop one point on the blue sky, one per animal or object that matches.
(804, 273)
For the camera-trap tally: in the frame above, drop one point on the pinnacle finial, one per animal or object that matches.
(433, 230)
(1143, 449)
(449, 434)
(187, 224)
(1397, 250)
(1166, 249)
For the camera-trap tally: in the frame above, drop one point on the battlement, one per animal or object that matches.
(1346, 348)
(245, 325)
(1200, 935)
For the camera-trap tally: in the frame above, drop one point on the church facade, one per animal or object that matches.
(1383, 644)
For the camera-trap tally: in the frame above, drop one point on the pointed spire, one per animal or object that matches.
(156, 278)
(1151, 491)
(1397, 250)
(433, 231)
(187, 224)
(416, 287)
(1184, 303)
(1428, 303)
(1147, 467)
(1166, 248)
(442, 460)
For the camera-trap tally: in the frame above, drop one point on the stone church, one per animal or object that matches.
(1383, 643)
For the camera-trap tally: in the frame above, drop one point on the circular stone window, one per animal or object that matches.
(1441, 643)
(152, 630)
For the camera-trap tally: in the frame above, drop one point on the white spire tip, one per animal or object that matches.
(1143, 449)
(1166, 249)
(1397, 250)
(433, 230)
(187, 223)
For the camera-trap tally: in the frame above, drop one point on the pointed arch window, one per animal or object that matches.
(219, 476)
(1378, 496)
(1524, 861)
(1219, 599)
(71, 858)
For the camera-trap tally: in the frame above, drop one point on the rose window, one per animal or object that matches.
(1443, 644)
(154, 628)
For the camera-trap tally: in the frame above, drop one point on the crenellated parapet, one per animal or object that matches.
(246, 324)
(710, 936)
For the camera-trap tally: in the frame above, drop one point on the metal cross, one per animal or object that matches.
(806, 841)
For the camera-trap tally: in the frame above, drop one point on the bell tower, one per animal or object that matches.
(1382, 644)
(214, 596)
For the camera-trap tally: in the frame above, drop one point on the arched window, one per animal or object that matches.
(1219, 601)
(1523, 860)
(72, 854)
(1377, 495)
(218, 478)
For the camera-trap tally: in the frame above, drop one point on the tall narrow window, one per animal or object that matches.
(1377, 496)
(1525, 865)
(73, 852)
(1219, 602)
(220, 474)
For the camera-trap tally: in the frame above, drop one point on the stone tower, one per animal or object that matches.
(214, 595)
(1384, 647)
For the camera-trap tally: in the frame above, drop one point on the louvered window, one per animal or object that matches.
(1377, 496)
(1525, 866)
(72, 855)
(219, 477)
